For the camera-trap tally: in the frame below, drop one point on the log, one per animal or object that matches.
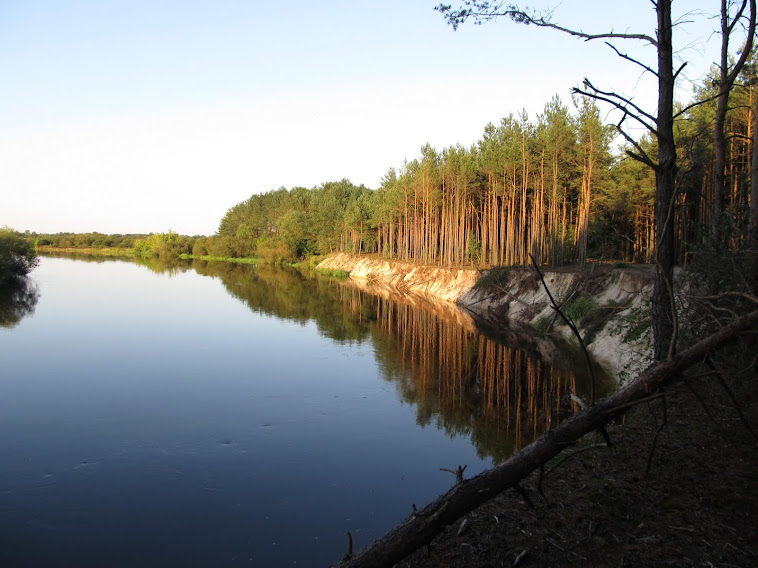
(422, 526)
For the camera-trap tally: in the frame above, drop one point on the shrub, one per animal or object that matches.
(17, 256)
(496, 276)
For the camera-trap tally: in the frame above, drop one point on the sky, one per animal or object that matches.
(142, 116)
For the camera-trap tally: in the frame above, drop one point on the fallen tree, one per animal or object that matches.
(422, 526)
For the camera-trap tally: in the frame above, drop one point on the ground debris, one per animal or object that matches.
(696, 506)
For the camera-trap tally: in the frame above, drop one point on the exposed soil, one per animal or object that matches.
(695, 507)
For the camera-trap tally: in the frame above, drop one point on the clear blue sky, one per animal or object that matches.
(144, 116)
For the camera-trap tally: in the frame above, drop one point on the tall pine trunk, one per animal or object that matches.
(665, 182)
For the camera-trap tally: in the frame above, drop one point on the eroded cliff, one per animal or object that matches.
(609, 305)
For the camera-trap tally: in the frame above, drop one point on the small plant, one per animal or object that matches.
(496, 276)
(579, 308)
(313, 260)
(634, 324)
(337, 274)
(586, 314)
(542, 325)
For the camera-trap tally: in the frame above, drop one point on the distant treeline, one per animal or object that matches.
(554, 187)
(165, 245)
(82, 240)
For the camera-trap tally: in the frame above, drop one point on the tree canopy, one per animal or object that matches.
(17, 257)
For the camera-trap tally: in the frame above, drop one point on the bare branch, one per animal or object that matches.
(750, 35)
(631, 59)
(628, 103)
(681, 68)
(482, 11)
(640, 155)
(693, 105)
(736, 294)
(640, 158)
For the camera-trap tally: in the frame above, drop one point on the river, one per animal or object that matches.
(213, 414)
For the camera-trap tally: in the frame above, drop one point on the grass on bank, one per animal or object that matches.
(247, 260)
(334, 273)
(91, 251)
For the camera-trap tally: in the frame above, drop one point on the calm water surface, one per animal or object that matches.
(223, 416)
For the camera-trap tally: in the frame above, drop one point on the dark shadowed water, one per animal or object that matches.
(222, 415)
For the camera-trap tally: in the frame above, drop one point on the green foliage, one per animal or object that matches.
(206, 257)
(274, 251)
(633, 324)
(474, 251)
(495, 276)
(17, 257)
(221, 247)
(548, 187)
(579, 307)
(334, 273)
(84, 240)
(713, 268)
(163, 245)
(587, 315)
(542, 325)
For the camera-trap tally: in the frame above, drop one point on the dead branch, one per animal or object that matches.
(458, 473)
(631, 59)
(571, 325)
(462, 498)
(721, 296)
(349, 546)
(625, 104)
(658, 431)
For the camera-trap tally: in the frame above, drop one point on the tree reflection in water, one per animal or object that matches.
(501, 392)
(17, 301)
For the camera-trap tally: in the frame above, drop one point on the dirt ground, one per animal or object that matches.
(696, 506)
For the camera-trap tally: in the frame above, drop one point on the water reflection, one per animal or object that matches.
(501, 392)
(501, 395)
(17, 301)
(158, 265)
(84, 257)
(168, 266)
(286, 293)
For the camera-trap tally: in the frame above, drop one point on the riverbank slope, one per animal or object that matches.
(608, 304)
(679, 487)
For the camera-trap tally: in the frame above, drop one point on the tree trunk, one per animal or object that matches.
(752, 233)
(422, 526)
(726, 81)
(665, 181)
(719, 163)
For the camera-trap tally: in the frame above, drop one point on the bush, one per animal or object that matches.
(274, 250)
(163, 245)
(496, 276)
(17, 256)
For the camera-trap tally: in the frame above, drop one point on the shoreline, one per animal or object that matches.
(607, 303)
